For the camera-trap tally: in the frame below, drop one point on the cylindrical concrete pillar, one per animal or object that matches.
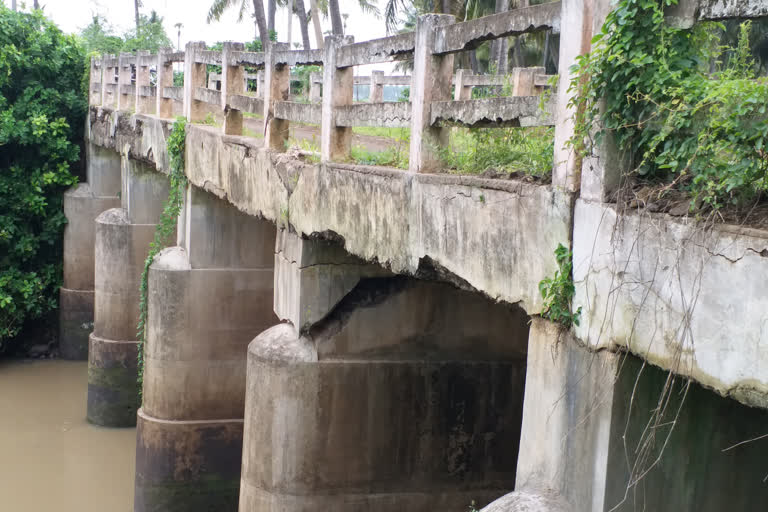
(121, 248)
(376, 433)
(122, 243)
(207, 300)
(82, 204)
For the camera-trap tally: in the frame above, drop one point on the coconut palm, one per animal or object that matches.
(219, 6)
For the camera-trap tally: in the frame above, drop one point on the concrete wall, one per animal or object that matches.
(681, 295)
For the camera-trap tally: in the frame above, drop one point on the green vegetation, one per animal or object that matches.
(507, 150)
(99, 36)
(165, 227)
(42, 114)
(558, 291)
(688, 112)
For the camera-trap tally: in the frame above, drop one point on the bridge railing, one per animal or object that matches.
(132, 82)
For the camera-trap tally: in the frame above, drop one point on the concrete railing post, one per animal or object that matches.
(124, 72)
(523, 83)
(143, 103)
(377, 87)
(260, 84)
(431, 82)
(107, 77)
(94, 95)
(338, 86)
(315, 86)
(164, 106)
(277, 87)
(460, 90)
(194, 77)
(232, 82)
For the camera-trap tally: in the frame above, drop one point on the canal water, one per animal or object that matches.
(51, 458)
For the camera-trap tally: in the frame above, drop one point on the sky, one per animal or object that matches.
(74, 15)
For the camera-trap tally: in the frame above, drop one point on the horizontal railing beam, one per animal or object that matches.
(247, 104)
(390, 115)
(298, 112)
(470, 34)
(206, 95)
(523, 111)
(386, 49)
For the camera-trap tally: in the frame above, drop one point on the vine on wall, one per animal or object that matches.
(165, 227)
(689, 112)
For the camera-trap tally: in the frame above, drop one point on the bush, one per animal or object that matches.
(687, 110)
(42, 115)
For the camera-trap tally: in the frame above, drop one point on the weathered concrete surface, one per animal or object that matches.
(395, 218)
(207, 300)
(169, 480)
(82, 204)
(566, 418)
(515, 111)
(406, 397)
(394, 115)
(608, 432)
(471, 34)
(683, 297)
(312, 276)
(525, 501)
(81, 207)
(120, 251)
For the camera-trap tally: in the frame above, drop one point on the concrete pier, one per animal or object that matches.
(406, 395)
(208, 298)
(82, 204)
(122, 242)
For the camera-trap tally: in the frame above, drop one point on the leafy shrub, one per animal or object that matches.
(680, 114)
(42, 114)
(558, 291)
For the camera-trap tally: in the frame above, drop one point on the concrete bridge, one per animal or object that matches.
(329, 336)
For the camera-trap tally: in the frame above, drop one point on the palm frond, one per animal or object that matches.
(217, 9)
(369, 7)
(392, 11)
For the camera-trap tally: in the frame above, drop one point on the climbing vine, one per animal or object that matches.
(165, 227)
(688, 112)
(558, 291)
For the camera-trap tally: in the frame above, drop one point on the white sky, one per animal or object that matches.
(73, 15)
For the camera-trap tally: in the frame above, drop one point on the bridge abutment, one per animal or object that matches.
(122, 242)
(604, 431)
(82, 204)
(208, 297)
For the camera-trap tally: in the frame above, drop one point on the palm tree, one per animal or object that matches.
(136, 4)
(336, 26)
(303, 23)
(219, 6)
(271, 10)
(315, 13)
(178, 35)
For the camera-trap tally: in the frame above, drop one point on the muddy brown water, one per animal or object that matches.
(51, 458)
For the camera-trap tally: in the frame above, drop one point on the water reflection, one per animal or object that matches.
(50, 457)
